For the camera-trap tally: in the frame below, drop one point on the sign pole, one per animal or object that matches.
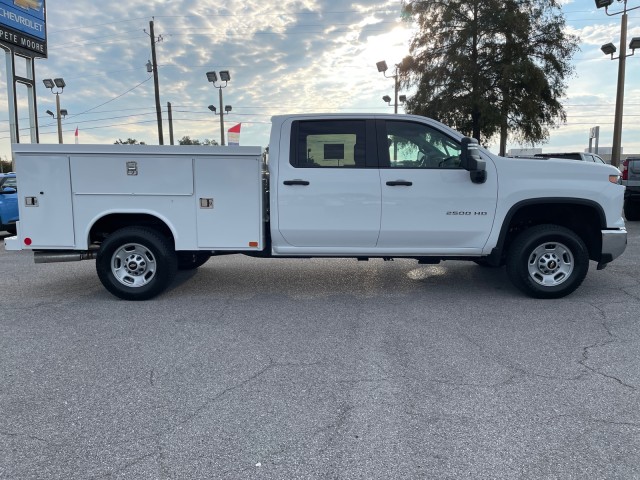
(11, 97)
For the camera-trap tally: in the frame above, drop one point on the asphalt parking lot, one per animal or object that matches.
(282, 369)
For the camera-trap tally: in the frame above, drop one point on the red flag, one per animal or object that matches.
(76, 134)
(234, 135)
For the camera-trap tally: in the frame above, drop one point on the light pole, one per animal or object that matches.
(213, 78)
(227, 109)
(610, 49)
(382, 68)
(59, 84)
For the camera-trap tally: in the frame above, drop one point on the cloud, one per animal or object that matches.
(288, 56)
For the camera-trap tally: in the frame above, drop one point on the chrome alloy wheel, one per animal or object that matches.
(133, 265)
(550, 264)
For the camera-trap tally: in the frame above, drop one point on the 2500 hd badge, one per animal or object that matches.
(456, 212)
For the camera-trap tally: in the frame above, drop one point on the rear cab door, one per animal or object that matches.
(328, 187)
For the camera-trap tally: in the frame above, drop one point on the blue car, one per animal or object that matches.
(8, 202)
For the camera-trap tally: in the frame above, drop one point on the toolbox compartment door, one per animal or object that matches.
(44, 196)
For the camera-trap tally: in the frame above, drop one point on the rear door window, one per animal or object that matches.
(329, 144)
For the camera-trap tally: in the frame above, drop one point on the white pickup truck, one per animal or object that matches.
(359, 186)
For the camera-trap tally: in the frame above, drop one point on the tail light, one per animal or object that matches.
(625, 170)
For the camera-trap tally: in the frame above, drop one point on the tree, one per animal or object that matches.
(5, 165)
(128, 141)
(489, 66)
(187, 140)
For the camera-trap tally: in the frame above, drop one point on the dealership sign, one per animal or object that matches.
(23, 26)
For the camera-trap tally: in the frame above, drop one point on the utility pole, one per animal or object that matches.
(170, 123)
(154, 66)
(617, 122)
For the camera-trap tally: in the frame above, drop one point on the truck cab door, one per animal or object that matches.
(328, 190)
(429, 202)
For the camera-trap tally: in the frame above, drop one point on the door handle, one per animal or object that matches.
(296, 182)
(396, 183)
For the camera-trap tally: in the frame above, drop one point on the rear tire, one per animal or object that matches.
(136, 263)
(547, 261)
(631, 210)
(191, 260)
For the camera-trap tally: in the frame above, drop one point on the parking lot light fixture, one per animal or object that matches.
(59, 83)
(387, 98)
(48, 83)
(603, 3)
(608, 49)
(634, 43)
(212, 77)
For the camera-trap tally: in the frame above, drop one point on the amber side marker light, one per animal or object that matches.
(614, 178)
(253, 244)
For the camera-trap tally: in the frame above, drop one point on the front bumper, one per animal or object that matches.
(614, 243)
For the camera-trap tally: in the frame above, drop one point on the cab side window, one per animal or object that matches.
(328, 144)
(415, 145)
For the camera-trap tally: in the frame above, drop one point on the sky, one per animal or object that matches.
(284, 56)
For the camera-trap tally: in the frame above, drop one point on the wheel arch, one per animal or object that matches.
(103, 225)
(585, 217)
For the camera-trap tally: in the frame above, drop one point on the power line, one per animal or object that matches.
(114, 98)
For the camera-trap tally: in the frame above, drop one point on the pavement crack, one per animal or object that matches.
(612, 339)
(585, 358)
(271, 365)
(25, 435)
(600, 420)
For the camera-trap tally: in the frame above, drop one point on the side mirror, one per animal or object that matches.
(471, 161)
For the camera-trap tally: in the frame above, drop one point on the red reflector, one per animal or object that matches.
(27, 241)
(253, 244)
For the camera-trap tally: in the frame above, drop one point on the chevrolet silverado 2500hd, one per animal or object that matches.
(359, 186)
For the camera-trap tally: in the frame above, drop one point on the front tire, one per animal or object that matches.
(547, 261)
(136, 263)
